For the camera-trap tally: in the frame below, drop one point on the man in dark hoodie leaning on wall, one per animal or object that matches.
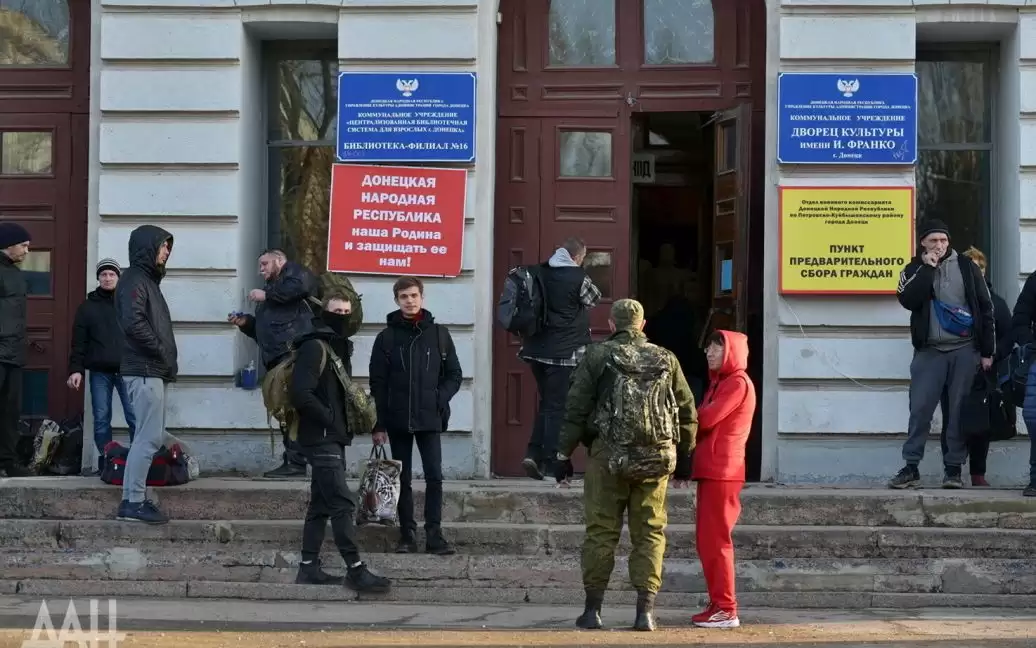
(318, 395)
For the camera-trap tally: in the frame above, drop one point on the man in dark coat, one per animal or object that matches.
(14, 246)
(149, 362)
(953, 333)
(317, 394)
(97, 348)
(282, 313)
(414, 373)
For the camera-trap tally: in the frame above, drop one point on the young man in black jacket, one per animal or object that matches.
(282, 313)
(953, 333)
(97, 348)
(149, 362)
(1023, 322)
(318, 396)
(414, 373)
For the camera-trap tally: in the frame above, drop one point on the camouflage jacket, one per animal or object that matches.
(583, 393)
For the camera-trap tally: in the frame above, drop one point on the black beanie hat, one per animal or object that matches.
(933, 226)
(12, 234)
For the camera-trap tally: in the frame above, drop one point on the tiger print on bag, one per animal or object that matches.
(379, 490)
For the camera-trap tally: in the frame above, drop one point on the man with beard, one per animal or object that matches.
(282, 313)
(149, 362)
(318, 396)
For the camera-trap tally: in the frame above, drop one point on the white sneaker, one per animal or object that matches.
(719, 619)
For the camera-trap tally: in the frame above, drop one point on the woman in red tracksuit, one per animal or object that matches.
(724, 423)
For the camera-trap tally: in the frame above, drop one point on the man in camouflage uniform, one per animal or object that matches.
(630, 404)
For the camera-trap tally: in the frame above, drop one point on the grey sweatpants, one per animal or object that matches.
(930, 371)
(147, 401)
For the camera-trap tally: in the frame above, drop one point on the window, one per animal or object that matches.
(302, 79)
(955, 142)
(585, 154)
(581, 32)
(34, 33)
(26, 152)
(679, 32)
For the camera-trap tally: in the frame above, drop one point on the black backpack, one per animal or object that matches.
(521, 307)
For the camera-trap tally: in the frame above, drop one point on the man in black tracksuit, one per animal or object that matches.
(414, 373)
(556, 349)
(323, 434)
(938, 287)
(282, 313)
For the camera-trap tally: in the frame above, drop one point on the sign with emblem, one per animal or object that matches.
(396, 220)
(406, 117)
(847, 118)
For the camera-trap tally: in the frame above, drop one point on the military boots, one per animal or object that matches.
(591, 617)
(645, 621)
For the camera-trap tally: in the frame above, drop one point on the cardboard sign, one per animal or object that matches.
(396, 220)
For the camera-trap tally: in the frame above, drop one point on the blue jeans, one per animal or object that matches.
(101, 387)
(147, 400)
(1029, 416)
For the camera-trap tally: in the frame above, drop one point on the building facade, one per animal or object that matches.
(216, 120)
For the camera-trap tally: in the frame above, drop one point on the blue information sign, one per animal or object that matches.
(847, 118)
(406, 117)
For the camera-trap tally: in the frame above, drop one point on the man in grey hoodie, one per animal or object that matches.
(953, 333)
(554, 351)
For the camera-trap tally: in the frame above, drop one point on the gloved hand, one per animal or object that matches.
(563, 470)
(683, 468)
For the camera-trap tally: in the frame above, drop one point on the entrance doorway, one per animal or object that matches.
(582, 84)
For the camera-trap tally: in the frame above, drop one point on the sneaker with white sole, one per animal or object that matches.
(719, 619)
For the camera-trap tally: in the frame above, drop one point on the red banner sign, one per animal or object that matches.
(396, 220)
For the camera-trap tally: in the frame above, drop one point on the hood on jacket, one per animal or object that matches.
(735, 353)
(143, 249)
(101, 295)
(562, 259)
(395, 318)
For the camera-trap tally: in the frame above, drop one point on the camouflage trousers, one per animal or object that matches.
(606, 498)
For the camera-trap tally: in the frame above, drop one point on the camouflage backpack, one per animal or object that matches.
(637, 414)
(331, 283)
(360, 413)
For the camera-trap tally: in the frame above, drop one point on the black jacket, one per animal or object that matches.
(916, 291)
(143, 315)
(13, 308)
(1024, 319)
(96, 339)
(317, 395)
(285, 315)
(1004, 329)
(567, 325)
(412, 379)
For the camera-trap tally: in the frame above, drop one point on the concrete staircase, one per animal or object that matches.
(518, 541)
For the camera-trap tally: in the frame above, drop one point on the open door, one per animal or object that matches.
(732, 162)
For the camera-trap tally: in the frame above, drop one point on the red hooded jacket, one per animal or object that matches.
(725, 415)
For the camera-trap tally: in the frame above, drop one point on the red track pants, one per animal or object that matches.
(719, 506)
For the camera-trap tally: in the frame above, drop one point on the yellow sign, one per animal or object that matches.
(844, 240)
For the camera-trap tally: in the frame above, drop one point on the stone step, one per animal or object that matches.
(528, 502)
(681, 575)
(431, 593)
(495, 539)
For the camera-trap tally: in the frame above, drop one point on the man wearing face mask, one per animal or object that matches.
(282, 313)
(953, 333)
(318, 397)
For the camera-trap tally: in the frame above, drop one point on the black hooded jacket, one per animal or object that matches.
(317, 395)
(96, 339)
(285, 315)
(410, 381)
(143, 315)
(13, 310)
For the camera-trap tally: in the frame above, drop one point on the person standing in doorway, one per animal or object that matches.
(724, 425)
(282, 313)
(149, 362)
(414, 374)
(556, 349)
(97, 347)
(14, 247)
(953, 333)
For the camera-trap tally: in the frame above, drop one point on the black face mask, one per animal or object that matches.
(338, 323)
